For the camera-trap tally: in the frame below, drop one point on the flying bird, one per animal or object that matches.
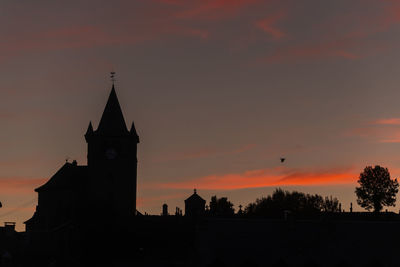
(282, 160)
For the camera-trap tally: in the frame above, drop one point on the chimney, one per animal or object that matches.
(165, 210)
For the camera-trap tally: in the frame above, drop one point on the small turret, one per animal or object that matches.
(89, 131)
(133, 131)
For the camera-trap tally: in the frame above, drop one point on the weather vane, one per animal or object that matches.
(112, 76)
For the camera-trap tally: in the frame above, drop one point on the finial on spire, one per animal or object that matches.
(195, 191)
(112, 75)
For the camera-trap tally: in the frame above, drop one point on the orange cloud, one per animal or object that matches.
(391, 121)
(394, 140)
(13, 186)
(266, 178)
(392, 136)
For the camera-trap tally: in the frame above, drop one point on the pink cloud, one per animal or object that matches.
(391, 14)
(390, 136)
(186, 31)
(362, 132)
(5, 115)
(380, 130)
(347, 36)
(170, 2)
(242, 149)
(344, 36)
(334, 49)
(268, 25)
(87, 36)
(61, 38)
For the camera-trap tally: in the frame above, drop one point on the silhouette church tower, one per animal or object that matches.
(102, 191)
(112, 161)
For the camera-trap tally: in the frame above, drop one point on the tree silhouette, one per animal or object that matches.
(295, 202)
(376, 188)
(221, 207)
(331, 204)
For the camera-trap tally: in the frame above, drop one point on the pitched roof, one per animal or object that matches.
(112, 121)
(195, 198)
(70, 175)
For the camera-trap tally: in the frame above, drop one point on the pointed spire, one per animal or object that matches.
(89, 131)
(90, 128)
(112, 121)
(133, 131)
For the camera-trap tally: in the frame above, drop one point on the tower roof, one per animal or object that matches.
(112, 121)
(195, 198)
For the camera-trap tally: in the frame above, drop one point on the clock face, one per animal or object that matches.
(111, 153)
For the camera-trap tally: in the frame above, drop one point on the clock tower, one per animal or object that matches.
(112, 164)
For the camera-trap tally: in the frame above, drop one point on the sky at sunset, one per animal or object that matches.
(219, 90)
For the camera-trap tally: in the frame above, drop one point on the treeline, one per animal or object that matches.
(296, 203)
(276, 205)
(220, 207)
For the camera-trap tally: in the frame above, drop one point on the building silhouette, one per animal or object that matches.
(104, 191)
(194, 205)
